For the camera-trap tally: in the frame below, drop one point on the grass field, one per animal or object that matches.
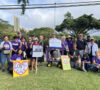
(51, 78)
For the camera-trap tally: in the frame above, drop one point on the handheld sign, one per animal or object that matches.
(56, 43)
(20, 68)
(65, 62)
(37, 51)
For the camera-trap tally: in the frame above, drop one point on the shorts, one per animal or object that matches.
(33, 58)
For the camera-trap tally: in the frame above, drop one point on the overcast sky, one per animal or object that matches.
(45, 17)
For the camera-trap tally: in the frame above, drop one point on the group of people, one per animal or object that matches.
(19, 49)
(78, 49)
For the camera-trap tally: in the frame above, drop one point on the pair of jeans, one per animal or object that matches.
(4, 58)
(87, 66)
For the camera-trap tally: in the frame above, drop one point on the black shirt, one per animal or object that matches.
(81, 44)
(75, 54)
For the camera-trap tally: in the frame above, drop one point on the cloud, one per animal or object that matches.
(45, 17)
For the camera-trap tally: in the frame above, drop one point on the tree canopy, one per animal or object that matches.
(78, 25)
(23, 4)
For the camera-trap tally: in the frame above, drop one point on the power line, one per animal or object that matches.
(56, 3)
(61, 6)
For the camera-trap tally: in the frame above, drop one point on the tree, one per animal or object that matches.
(23, 4)
(79, 25)
(45, 31)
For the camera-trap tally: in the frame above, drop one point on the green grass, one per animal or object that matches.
(51, 78)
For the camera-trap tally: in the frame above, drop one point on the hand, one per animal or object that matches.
(72, 57)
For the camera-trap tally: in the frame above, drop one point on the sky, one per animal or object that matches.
(37, 18)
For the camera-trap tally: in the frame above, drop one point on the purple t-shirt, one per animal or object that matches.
(96, 60)
(86, 60)
(70, 44)
(23, 46)
(15, 45)
(6, 45)
(16, 57)
(64, 45)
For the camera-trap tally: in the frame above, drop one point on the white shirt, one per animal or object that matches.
(94, 48)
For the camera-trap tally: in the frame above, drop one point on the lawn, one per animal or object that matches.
(51, 78)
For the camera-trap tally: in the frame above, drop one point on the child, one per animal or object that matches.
(34, 58)
(13, 58)
(85, 63)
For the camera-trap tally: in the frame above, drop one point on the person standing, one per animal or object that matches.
(34, 62)
(92, 49)
(28, 48)
(19, 36)
(0, 50)
(23, 46)
(6, 47)
(15, 45)
(42, 43)
(81, 45)
(33, 38)
(64, 45)
(70, 42)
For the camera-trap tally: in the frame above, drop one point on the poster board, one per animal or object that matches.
(20, 68)
(65, 62)
(56, 43)
(37, 51)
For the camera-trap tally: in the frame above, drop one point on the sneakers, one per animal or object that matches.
(85, 70)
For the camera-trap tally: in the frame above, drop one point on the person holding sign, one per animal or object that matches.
(34, 61)
(6, 48)
(16, 57)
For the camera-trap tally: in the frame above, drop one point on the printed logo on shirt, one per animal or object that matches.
(6, 46)
(15, 44)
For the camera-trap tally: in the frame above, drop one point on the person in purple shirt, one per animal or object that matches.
(15, 45)
(15, 57)
(96, 61)
(6, 48)
(70, 42)
(23, 46)
(64, 45)
(19, 36)
(85, 62)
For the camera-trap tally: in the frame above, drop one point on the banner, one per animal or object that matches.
(37, 51)
(56, 43)
(20, 68)
(65, 62)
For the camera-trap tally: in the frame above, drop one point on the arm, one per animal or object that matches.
(26, 45)
(20, 45)
(67, 49)
(31, 46)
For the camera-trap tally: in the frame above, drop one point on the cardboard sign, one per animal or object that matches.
(20, 68)
(55, 43)
(37, 51)
(65, 62)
